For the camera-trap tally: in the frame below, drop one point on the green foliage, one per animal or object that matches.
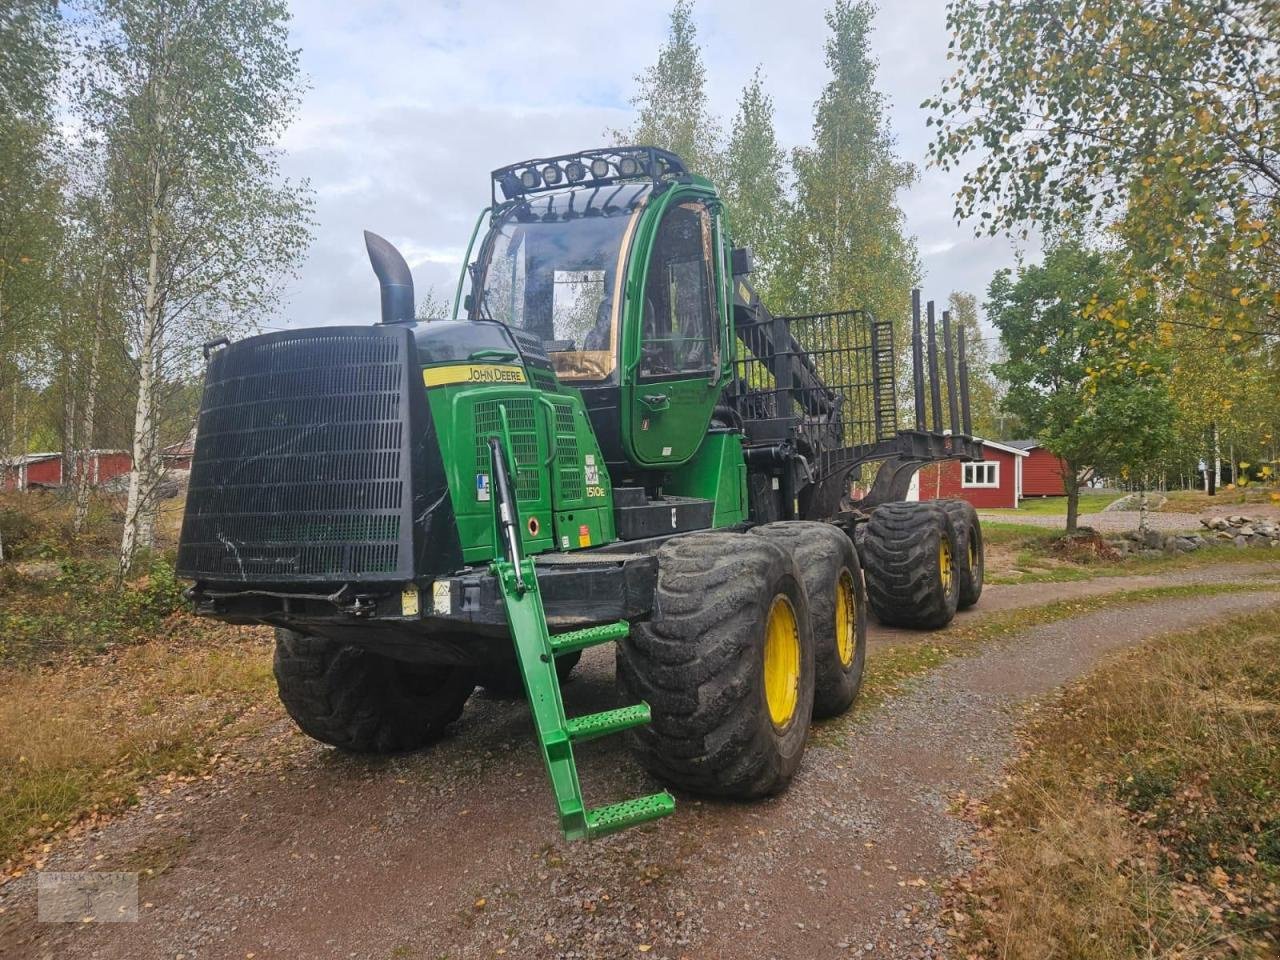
(1157, 119)
(1101, 417)
(671, 105)
(82, 609)
(847, 246)
(30, 206)
(827, 233)
(755, 182)
(190, 104)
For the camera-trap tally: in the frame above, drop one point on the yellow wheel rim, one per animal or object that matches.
(781, 662)
(946, 566)
(846, 617)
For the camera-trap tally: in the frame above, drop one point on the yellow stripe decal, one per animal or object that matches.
(473, 373)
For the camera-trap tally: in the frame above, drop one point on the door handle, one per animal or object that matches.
(656, 402)
(553, 442)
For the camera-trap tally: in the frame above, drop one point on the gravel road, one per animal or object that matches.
(453, 852)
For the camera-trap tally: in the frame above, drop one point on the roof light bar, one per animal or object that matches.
(588, 167)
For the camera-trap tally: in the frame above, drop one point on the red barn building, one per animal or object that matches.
(993, 482)
(46, 469)
(31, 469)
(105, 465)
(1042, 472)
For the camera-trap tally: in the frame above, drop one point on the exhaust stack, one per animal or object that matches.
(394, 279)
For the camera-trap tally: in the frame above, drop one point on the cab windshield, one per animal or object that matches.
(553, 267)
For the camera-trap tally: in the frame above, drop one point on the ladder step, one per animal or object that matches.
(592, 725)
(628, 813)
(589, 637)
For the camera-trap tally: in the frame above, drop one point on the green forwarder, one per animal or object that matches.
(613, 441)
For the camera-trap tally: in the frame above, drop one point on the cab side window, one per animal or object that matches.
(679, 334)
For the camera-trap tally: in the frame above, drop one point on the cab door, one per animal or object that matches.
(676, 375)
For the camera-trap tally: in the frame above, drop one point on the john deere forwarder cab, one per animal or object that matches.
(617, 444)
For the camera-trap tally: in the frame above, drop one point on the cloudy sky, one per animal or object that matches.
(411, 104)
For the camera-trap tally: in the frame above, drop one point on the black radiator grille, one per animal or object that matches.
(301, 465)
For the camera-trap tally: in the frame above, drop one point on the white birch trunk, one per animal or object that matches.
(88, 417)
(139, 520)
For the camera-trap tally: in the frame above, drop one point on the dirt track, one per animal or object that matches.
(454, 852)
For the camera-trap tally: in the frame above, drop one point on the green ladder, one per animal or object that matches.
(536, 650)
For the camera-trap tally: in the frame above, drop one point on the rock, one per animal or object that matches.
(1153, 540)
(1185, 544)
(1245, 530)
(1133, 501)
(1151, 554)
(1223, 535)
(38, 569)
(1241, 542)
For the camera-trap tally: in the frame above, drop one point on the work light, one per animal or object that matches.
(628, 166)
(599, 168)
(530, 179)
(552, 175)
(575, 171)
(510, 186)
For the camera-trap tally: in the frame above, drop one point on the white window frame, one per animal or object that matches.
(969, 470)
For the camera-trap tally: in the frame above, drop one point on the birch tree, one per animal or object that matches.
(847, 246)
(189, 99)
(673, 110)
(1158, 119)
(30, 204)
(755, 182)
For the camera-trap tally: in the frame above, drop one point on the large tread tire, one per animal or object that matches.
(903, 565)
(970, 561)
(505, 683)
(362, 702)
(828, 562)
(699, 664)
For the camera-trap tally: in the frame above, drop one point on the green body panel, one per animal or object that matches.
(563, 490)
(716, 472)
(668, 431)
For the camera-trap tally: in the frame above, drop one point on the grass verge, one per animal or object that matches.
(891, 671)
(1143, 818)
(82, 738)
(1057, 506)
(1034, 564)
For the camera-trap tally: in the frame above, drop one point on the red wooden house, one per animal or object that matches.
(1042, 472)
(993, 482)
